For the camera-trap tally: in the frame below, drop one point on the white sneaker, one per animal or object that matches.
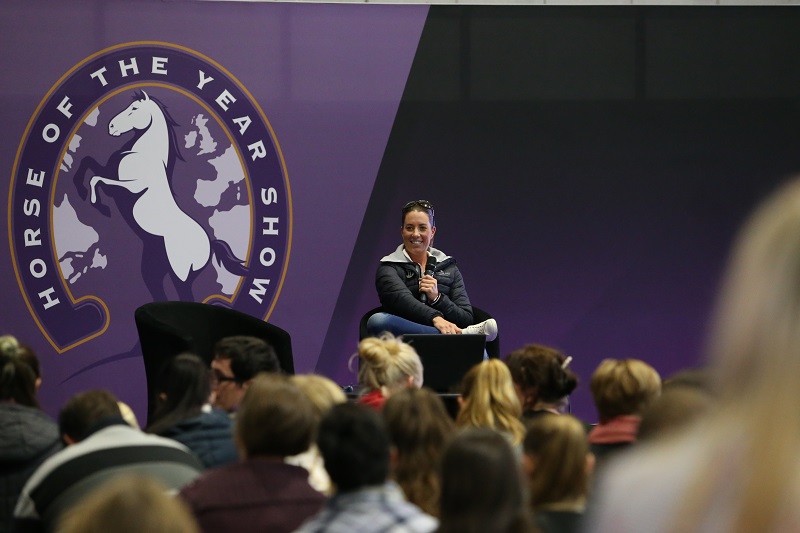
(487, 327)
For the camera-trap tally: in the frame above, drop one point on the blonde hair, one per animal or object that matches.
(129, 504)
(321, 391)
(9, 345)
(489, 400)
(387, 363)
(754, 356)
(623, 387)
(323, 395)
(128, 415)
(559, 449)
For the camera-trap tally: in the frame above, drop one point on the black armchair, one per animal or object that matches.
(169, 328)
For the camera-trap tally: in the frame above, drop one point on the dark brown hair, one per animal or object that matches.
(86, 410)
(419, 427)
(248, 356)
(539, 373)
(482, 486)
(17, 381)
(422, 206)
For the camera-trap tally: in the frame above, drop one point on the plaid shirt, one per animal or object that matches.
(376, 509)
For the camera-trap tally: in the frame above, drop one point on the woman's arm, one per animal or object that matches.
(455, 305)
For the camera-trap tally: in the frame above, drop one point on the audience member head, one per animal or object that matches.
(623, 387)
(354, 444)
(557, 461)
(676, 408)
(323, 394)
(419, 427)
(482, 485)
(236, 362)
(542, 377)
(685, 397)
(488, 400)
(182, 388)
(17, 382)
(754, 432)
(388, 364)
(129, 504)
(696, 378)
(275, 418)
(321, 391)
(86, 412)
(754, 345)
(10, 346)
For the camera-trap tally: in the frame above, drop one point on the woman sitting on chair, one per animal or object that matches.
(420, 287)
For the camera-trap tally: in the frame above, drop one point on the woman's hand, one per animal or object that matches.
(445, 327)
(429, 286)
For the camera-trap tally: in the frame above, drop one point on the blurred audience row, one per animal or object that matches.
(240, 446)
(248, 448)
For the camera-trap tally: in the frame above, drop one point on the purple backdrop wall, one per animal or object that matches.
(328, 78)
(589, 166)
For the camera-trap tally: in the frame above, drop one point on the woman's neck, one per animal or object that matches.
(575, 505)
(420, 259)
(549, 407)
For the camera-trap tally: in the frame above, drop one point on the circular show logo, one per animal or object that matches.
(148, 172)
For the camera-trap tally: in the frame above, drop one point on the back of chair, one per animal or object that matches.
(363, 333)
(169, 328)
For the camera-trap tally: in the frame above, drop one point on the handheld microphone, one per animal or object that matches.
(430, 266)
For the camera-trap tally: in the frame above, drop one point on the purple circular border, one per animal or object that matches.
(69, 323)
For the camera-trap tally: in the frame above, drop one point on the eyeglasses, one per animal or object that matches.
(217, 377)
(425, 204)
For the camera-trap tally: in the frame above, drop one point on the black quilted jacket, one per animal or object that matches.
(27, 437)
(397, 282)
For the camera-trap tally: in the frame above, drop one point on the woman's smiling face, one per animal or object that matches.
(417, 232)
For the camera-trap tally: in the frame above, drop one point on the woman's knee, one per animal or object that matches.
(378, 323)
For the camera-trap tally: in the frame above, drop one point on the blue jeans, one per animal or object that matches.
(380, 322)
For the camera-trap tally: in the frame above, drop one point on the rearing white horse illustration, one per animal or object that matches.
(143, 167)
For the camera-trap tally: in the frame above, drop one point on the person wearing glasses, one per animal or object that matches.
(420, 287)
(237, 360)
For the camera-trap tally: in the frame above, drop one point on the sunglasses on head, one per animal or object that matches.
(425, 204)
